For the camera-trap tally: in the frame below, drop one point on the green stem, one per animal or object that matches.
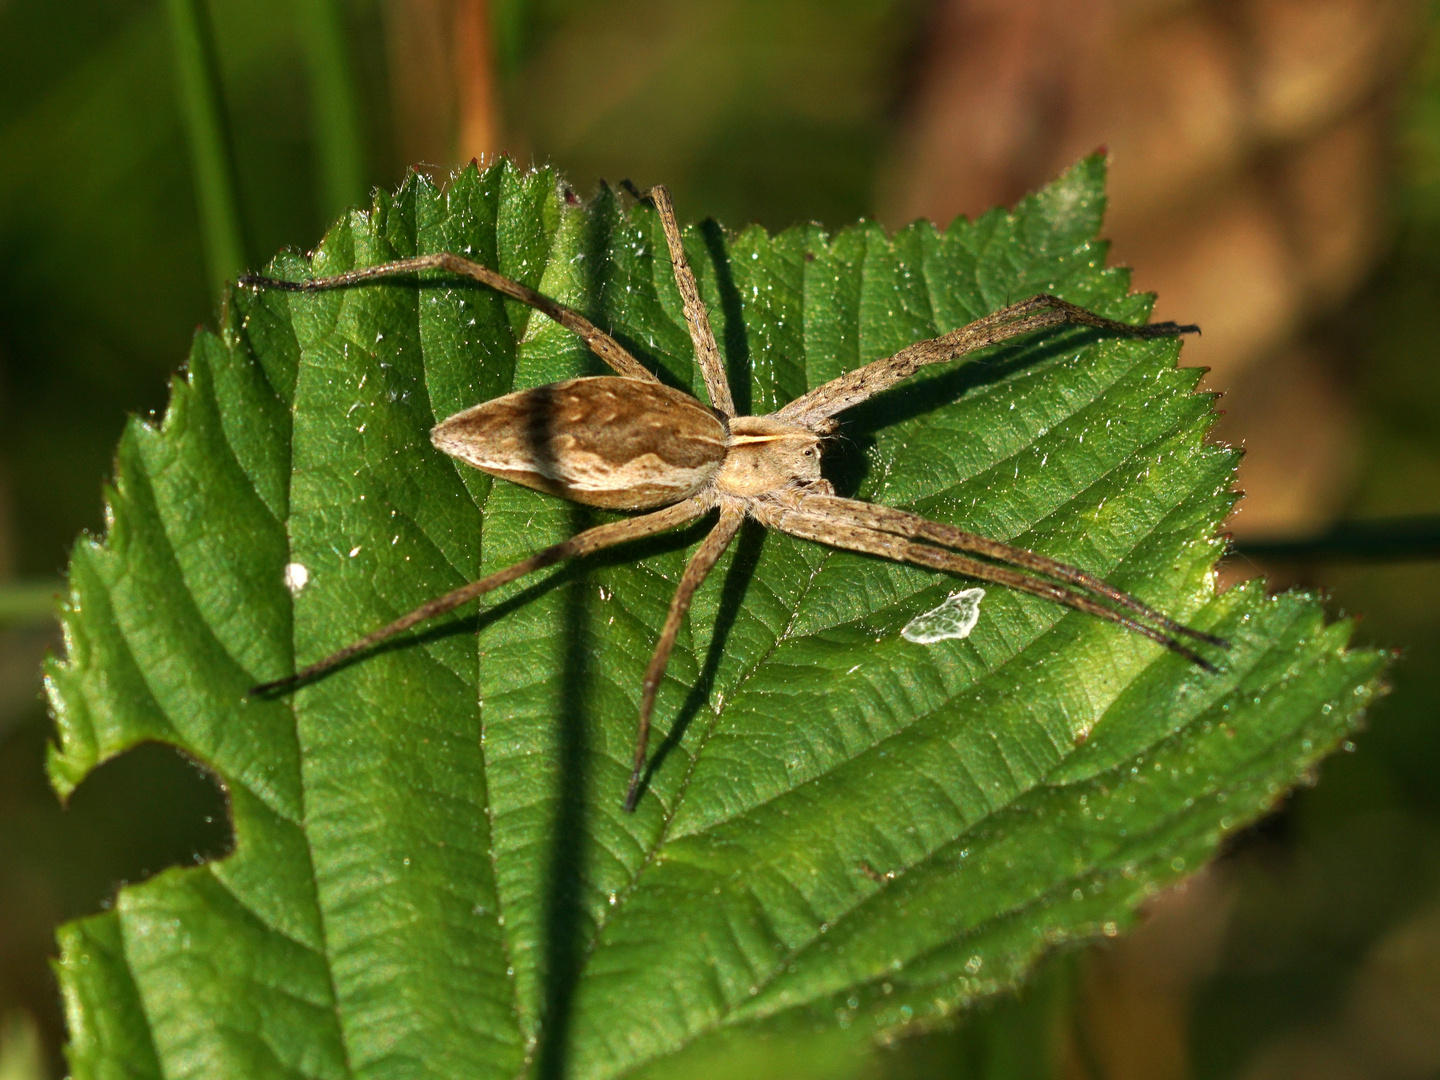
(334, 104)
(1376, 540)
(203, 110)
(28, 601)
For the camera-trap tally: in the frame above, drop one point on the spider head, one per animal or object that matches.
(764, 454)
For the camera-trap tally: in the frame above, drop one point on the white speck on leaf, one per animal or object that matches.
(295, 577)
(955, 618)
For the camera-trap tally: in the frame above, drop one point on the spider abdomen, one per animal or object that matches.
(606, 441)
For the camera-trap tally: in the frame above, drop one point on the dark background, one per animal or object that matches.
(1276, 178)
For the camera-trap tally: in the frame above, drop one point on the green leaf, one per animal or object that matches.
(847, 836)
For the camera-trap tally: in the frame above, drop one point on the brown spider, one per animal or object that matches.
(628, 442)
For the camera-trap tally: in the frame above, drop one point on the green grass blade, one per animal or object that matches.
(335, 107)
(202, 106)
(28, 601)
(1382, 539)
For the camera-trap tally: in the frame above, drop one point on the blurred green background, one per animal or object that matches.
(1277, 178)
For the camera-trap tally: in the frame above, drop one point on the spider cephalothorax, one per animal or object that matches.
(628, 442)
(766, 456)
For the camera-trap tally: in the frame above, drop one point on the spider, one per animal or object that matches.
(628, 442)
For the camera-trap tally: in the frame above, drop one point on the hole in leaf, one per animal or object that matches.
(145, 811)
(151, 808)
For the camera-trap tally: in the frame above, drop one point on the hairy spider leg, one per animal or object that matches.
(584, 543)
(798, 522)
(732, 515)
(1038, 313)
(601, 344)
(902, 523)
(697, 316)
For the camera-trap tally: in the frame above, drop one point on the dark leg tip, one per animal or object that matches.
(270, 689)
(632, 793)
(1189, 654)
(1168, 329)
(259, 281)
(1202, 636)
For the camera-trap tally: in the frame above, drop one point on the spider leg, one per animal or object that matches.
(584, 543)
(697, 317)
(823, 530)
(899, 522)
(732, 514)
(1037, 313)
(601, 344)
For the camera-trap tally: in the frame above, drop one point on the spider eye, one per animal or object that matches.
(809, 453)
